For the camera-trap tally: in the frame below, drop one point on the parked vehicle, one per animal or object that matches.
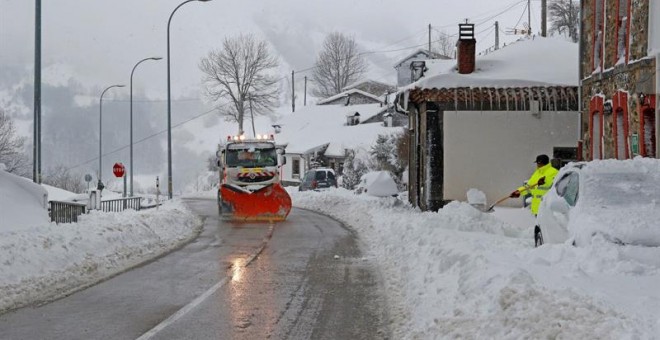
(317, 179)
(618, 201)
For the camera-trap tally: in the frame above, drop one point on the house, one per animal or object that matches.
(351, 97)
(620, 78)
(480, 123)
(320, 135)
(371, 86)
(403, 66)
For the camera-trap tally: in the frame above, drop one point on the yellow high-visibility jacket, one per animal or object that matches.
(539, 191)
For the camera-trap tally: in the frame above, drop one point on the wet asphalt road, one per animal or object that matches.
(235, 281)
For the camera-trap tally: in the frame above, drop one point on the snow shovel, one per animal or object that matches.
(490, 208)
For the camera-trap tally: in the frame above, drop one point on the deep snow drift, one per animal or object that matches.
(463, 273)
(48, 260)
(22, 203)
(453, 273)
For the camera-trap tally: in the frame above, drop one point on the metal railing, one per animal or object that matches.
(65, 212)
(121, 204)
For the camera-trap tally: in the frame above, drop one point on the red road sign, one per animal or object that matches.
(118, 170)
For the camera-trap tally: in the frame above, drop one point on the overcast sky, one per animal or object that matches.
(98, 42)
(88, 45)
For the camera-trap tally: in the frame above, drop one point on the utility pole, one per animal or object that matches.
(529, 17)
(254, 132)
(305, 97)
(293, 92)
(497, 35)
(36, 143)
(544, 18)
(429, 38)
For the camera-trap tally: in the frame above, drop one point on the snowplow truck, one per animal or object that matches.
(250, 188)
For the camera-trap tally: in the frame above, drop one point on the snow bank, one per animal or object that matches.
(22, 202)
(460, 273)
(47, 261)
(57, 194)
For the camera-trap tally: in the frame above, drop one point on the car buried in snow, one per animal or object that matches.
(612, 200)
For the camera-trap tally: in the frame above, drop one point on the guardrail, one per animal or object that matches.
(121, 204)
(65, 212)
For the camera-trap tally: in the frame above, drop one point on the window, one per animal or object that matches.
(620, 125)
(596, 107)
(622, 31)
(572, 189)
(598, 35)
(648, 133)
(320, 176)
(568, 187)
(252, 157)
(620, 140)
(596, 135)
(295, 172)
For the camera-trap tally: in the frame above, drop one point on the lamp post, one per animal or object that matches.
(169, 103)
(100, 184)
(131, 118)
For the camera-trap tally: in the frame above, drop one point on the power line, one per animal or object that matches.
(152, 100)
(521, 16)
(506, 8)
(148, 137)
(500, 13)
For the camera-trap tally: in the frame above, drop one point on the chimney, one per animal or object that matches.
(466, 48)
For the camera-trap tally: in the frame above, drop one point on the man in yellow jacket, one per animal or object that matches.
(539, 183)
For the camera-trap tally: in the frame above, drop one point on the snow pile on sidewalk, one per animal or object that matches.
(460, 273)
(22, 202)
(47, 261)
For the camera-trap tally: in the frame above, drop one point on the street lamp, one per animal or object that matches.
(169, 103)
(100, 184)
(131, 133)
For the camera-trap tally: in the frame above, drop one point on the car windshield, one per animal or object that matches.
(251, 158)
(622, 189)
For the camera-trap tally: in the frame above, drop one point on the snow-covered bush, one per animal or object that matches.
(354, 167)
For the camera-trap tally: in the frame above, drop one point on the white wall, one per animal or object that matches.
(495, 151)
(287, 170)
(654, 27)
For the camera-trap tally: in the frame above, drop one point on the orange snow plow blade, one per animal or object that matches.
(270, 203)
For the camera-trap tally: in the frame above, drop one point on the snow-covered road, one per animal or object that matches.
(454, 273)
(463, 273)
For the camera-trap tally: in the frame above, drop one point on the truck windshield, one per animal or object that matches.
(251, 158)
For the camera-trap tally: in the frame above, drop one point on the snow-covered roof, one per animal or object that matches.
(525, 63)
(348, 93)
(317, 125)
(432, 55)
(356, 84)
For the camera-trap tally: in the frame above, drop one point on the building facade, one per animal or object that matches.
(481, 123)
(619, 78)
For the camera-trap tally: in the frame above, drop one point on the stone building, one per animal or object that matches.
(619, 48)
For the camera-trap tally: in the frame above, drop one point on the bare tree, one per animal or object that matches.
(565, 17)
(11, 147)
(238, 74)
(63, 178)
(339, 64)
(443, 44)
